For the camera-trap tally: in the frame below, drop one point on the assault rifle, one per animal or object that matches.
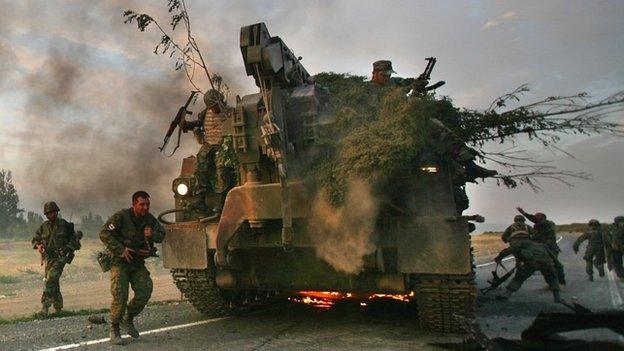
(420, 83)
(182, 112)
(496, 280)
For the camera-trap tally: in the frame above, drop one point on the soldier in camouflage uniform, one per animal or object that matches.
(616, 238)
(530, 257)
(129, 236)
(544, 233)
(55, 240)
(213, 173)
(595, 251)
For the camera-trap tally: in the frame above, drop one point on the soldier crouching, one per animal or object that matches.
(55, 240)
(128, 236)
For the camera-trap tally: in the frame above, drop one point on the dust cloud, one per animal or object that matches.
(343, 235)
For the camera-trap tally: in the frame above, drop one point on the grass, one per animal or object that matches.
(63, 313)
(8, 279)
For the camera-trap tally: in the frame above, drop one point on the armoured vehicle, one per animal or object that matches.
(262, 243)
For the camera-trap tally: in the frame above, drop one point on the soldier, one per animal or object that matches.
(617, 245)
(382, 76)
(212, 173)
(530, 257)
(128, 236)
(544, 233)
(595, 251)
(55, 240)
(519, 229)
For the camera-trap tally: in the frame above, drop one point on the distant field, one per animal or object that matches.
(83, 284)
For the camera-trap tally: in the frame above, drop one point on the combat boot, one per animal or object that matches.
(557, 297)
(591, 278)
(601, 272)
(128, 326)
(115, 334)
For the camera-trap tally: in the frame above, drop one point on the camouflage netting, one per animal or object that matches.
(378, 131)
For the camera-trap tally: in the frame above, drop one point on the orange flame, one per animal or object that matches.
(327, 299)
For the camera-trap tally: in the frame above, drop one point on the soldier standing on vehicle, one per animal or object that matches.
(530, 258)
(213, 173)
(595, 251)
(56, 241)
(544, 233)
(617, 245)
(128, 236)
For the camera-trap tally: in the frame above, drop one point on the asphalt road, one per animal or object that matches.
(287, 326)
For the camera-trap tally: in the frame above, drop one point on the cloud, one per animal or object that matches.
(490, 24)
(501, 19)
(509, 15)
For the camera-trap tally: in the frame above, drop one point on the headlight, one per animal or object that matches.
(182, 189)
(429, 169)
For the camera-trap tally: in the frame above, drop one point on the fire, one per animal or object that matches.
(327, 299)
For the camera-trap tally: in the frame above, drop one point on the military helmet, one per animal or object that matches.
(618, 219)
(212, 97)
(594, 223)
(50, 207)
(519, 218)
(383, 65)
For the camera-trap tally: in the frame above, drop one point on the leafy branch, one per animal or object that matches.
(543, 121)
(187, 53)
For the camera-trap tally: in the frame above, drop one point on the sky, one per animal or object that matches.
(84, 103)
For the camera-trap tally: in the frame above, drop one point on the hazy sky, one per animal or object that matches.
(84, 103)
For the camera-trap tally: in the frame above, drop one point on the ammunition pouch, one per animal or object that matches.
(104, 260)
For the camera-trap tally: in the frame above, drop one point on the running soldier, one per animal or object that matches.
(129, 236)
(56, 241)
(595, 251)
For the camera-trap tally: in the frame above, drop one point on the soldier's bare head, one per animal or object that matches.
(540, 216)
(140, 203)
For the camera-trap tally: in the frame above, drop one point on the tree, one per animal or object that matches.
(9, 201)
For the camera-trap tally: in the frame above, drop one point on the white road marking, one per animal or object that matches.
(506, 259)
(614, 290)
(153, 331)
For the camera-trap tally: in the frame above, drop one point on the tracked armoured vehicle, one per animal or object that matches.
(262, 242)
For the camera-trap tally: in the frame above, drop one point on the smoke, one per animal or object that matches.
(343, 235)
(93, 129)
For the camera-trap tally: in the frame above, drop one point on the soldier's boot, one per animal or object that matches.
(128, 325)
(601, 271)
(505, 295)
(115, 334)
(557, 297)
(590, 278)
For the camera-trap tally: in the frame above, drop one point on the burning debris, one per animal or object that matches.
(328, 299)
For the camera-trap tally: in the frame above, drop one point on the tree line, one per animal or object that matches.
(15, 223)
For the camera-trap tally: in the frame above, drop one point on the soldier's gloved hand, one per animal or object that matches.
(40, 248)
(127, 254)
(148, 231)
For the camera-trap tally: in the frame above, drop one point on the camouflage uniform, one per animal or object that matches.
(617, 245)
(212, 174)
(530, 257)
(544, 233)
(59, 239)
(594, 253)
(123, 229)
